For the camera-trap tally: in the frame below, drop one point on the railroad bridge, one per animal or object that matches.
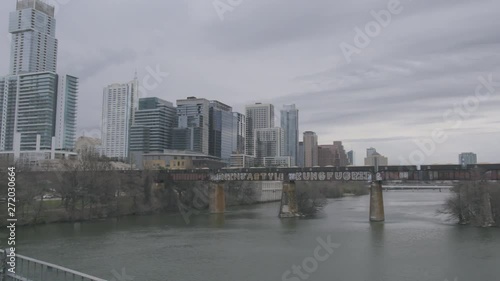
(376, 177)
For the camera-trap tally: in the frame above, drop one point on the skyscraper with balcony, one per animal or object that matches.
(310, 149)
(33, 45)
(290, 125)
(119, 103)
(8, 94)
(67, 96)
(259, 116)
(38, 109)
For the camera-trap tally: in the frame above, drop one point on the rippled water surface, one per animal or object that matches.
(251, 243)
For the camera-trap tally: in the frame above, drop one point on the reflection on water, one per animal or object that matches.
(217, 220)
(251, 243)
(377, 234)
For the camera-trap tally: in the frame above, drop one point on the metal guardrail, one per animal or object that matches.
(29, 269)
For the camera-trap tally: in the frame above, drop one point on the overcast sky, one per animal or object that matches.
(391, 92)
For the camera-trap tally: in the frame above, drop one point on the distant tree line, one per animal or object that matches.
(89, 189)
(78, 190)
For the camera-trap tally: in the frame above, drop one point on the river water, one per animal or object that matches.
(250, 243)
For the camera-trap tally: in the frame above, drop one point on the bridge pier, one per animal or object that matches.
(288, 206)
(377, 213)
(217, 204)
(486, 208)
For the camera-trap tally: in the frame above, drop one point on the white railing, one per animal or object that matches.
(29, 269)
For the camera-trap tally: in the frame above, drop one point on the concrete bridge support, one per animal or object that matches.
(217, 204)
(377, 213)
(288, 206)
(486, 208)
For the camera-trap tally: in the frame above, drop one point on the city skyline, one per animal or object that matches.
(335, 113)
(258, 140)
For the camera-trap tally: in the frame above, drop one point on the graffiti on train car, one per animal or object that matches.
(298, 176)
(288, 174)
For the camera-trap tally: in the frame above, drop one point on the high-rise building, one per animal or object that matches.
(38, 111)
(241, 161)
(192, 132)
(67, 92)
(467, 158)
(350, 156)
(310, 149)
(269, 142)
(370, 151)
(183, 138)
(325, 155)
(221, 130)
(151, 130)
(332, 155)
(259, 116)
(341, 159)
(375, 159)
(276, 161)
(300, 157)
(33, 44)
(8, 94)
(119, 103)
(290, 124)
(239, 133)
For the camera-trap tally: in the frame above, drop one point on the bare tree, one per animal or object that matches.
(310, 201)
(476, 203)
(87, 184)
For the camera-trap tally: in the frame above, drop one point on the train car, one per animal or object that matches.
(441, 167)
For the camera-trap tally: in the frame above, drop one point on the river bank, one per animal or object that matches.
(161, 199)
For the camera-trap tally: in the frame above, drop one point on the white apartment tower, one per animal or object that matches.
(119, 103)
(65, 131)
